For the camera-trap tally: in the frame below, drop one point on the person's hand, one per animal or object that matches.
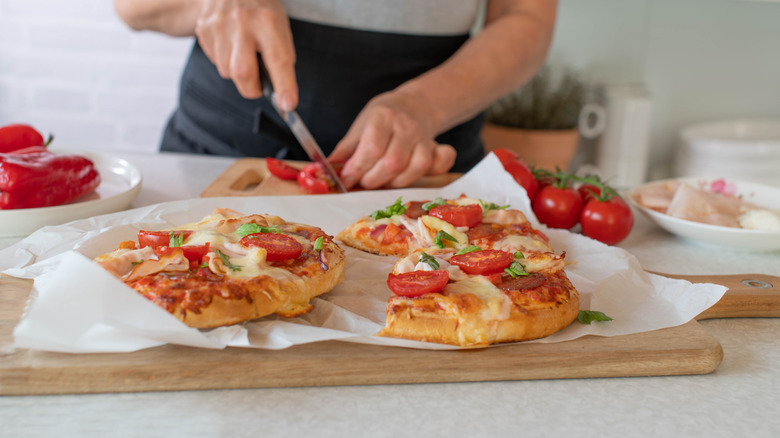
(233, 32)
(391, 144)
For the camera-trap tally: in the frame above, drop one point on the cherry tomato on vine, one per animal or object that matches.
(608, 221)
(280, 169)
(557, 207)
(519, 171)
(588, 191)
(505, 155)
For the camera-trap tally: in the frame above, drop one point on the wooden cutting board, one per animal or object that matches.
(687, 349)
(250, 177)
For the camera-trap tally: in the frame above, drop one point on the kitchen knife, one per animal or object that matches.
(299, 130)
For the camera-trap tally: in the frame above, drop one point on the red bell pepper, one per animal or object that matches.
(19, 136)
(35, 177)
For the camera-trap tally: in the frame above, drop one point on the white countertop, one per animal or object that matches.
(740, 398)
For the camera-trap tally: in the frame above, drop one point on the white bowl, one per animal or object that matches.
(745, 149)
(728, 237)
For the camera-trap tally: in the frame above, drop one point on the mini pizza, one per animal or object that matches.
(477, 297)
(471, 273)
(402, 228)
(230, 268)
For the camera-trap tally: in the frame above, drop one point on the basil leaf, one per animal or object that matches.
(138, 262)
(174, 239)
(441, 235)
(588, 316)
(247, 229)
(226, 261)
(519, 255)
(429, 260)
(487, 206)
(318, 244)
(436, 202)
(470, 248)
(397, 208)
(515, 270)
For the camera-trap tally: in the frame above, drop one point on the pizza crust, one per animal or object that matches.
(219, 299)
(423, 319)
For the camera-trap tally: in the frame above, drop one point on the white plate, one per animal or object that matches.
(737, 238)
(119, 186)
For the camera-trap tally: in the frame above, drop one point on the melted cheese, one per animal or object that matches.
(465, 201)
(214, 238)
(254, 264)
(434, 225)
(525, 244)
(505, 217)
(497, 304)
(412, 263)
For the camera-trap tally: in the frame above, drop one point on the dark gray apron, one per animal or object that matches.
(338, 70)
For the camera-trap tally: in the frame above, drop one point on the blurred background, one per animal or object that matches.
(72, 68)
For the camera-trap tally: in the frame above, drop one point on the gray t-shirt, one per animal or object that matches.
(415, 17)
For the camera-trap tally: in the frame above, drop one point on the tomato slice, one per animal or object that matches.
(313, 179)
(416, 283)
(279, 246)
(159, 238)
(280, 169)
(194, 253)
(458, 215)
(485, 262)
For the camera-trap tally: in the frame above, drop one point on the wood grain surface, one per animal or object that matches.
(250, 177)
(687, 349)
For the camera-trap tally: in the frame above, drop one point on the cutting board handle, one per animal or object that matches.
(749, 295)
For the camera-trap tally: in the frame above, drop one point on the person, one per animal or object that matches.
(395, 90)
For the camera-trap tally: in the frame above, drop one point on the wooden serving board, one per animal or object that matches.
(687, 349)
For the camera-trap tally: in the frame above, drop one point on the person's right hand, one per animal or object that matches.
(233, 32)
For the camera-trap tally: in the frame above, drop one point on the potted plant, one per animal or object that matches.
(539, 120)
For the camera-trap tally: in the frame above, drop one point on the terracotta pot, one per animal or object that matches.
(542, 148)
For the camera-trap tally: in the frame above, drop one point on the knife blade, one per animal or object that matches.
(300, 131)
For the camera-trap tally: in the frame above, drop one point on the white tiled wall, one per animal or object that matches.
(72, 68)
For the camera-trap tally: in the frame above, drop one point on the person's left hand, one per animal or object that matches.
(391, 144)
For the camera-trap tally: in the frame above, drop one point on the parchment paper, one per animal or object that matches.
(76, 306)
